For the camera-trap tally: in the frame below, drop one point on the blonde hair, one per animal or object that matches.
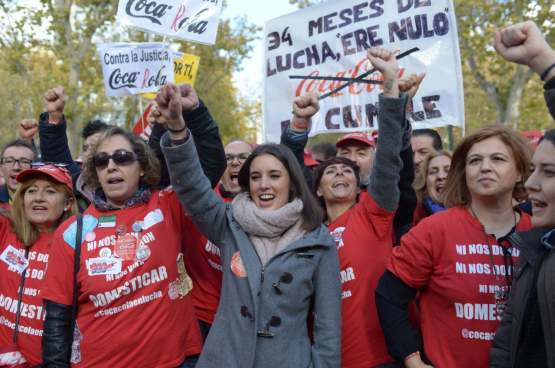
(27, 232)
(421, 179)
(456, 191)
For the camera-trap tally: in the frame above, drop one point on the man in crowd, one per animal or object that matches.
(17, 155)
(423, 142)
(322, 151)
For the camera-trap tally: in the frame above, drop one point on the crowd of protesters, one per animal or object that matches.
(376, 251)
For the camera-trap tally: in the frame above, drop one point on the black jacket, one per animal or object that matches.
(535, 268)
(54, 145)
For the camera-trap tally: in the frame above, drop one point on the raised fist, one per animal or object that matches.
(305, 107)
(410, 83)
(383, 60)
(55, 102)
(154, 115)
(28, 128)
(169, 103)
(189, 98)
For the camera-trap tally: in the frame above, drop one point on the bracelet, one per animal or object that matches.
(176, 130)
(412, 355)
(180, 140)
(53, 122)
(298, 126)
(544, 74)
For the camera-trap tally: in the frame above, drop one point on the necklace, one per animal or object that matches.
(501, 294)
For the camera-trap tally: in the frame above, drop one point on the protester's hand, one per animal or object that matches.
(305, 107)
(416, 362)
(55, 102)
(154, 115)
(169, 103)
(410, 84)
(189, 98)
(383, 60)
(524, 44)
(28, 128)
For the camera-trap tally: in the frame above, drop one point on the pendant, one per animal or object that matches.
(501, 298)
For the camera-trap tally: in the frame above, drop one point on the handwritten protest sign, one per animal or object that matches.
(184, 70)
(330, 41)
(192, 20)
(132, 68)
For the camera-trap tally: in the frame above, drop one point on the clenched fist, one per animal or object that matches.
(55, 102)
(410, 84)
(28, 128)
(305, 107)
(169, 103)
(154, 115)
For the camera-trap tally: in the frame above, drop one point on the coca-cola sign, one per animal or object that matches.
(323, 49)
(192, 20)
(135, 68)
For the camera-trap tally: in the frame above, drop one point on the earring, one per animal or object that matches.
(65, 209)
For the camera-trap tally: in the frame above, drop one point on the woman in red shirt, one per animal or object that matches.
(362, 230)
(429, 184)
(460, 259)
(134, 305)
(43, 201)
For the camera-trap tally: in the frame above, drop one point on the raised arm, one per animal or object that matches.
(52, 130)
(205, 208)
(524, 44)
(392, 124)
(295, 136)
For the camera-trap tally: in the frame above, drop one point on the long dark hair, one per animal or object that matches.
(550, 136)
(311, 214)
(334, 161)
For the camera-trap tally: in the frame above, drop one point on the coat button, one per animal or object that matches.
(228, 206)
(238, 228)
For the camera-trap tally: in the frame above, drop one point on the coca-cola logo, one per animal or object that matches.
(125, 80)
(145, 9)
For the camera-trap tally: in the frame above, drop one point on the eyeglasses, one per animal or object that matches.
(120, 158)
(241, 157)
(25, 163)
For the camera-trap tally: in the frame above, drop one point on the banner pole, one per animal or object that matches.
(141, 112)
(162, 64)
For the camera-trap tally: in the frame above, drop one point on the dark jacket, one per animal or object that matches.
(535, 268)
(5, 195)
(549, 95)
(54, 145)
(249, 304)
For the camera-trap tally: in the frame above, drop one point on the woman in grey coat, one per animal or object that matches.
(279, 262)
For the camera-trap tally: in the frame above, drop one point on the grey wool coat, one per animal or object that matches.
(251, 308)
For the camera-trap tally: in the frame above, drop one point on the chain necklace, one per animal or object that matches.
(501, 295)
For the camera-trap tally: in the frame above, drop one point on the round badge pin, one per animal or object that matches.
(137, 227)
(122, 230)
(90, 236)
(105, 252)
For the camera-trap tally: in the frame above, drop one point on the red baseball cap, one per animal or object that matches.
(375, 135)
(533, 137)
(308, 160)
(60, 174)
(357, 136)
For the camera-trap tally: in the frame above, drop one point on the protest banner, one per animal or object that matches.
(184, 70)
(133, 68)
(192, 20)
(324, 46)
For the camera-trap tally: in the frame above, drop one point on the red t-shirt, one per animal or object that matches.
(446, 258)
(363, 239)
(31, 316)
(134, 318)
(202, 260)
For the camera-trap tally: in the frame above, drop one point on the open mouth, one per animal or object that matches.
(537, 206)
(39, 208)
(439, 188)
(234, 176)
(340, 183)
(266, 199)
(115, 180)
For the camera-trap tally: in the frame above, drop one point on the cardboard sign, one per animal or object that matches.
(192, 20)
(325, 47)
(185, 68)
(133, 68)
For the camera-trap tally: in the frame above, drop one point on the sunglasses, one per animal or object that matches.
(242, 157)
(120, 158)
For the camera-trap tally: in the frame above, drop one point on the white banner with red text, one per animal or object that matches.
(324, 48)
(192, 20)
(133, 68)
